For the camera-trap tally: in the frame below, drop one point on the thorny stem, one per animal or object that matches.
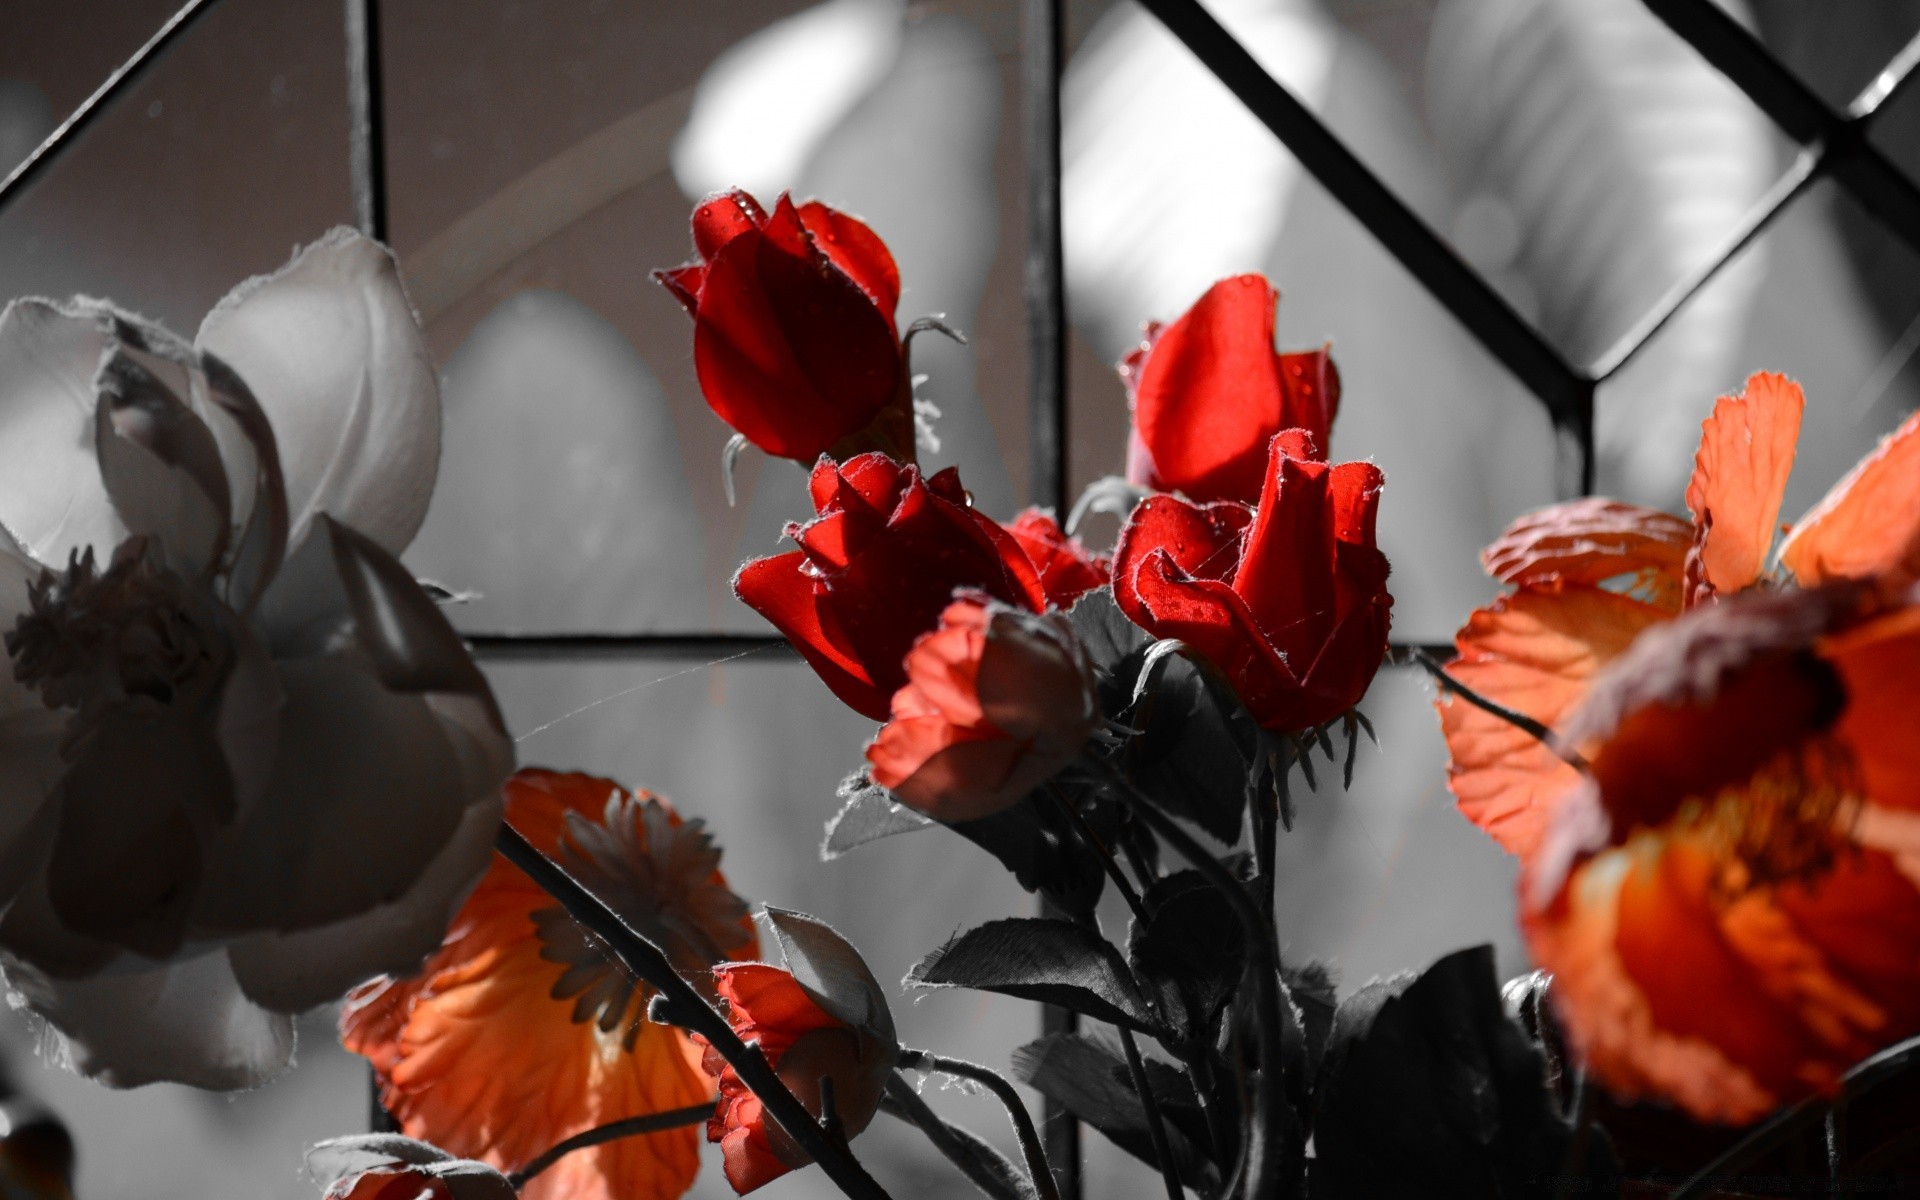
(1264, 1162)
(1574, 1164)
(675, 1118)
(1156, 1131)
(1023, 1128)
(902, 1100)
(645, 960)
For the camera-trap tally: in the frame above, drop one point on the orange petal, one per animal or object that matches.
(479, 1058)
(1674, 983)
(1739, 476)
(1879, 666)
(1869, 524)
(1592, 540)
(1534, 651)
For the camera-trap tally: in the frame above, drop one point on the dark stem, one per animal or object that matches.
(645, 960)
(1263, 812)
(612, 1131)
(1156, 1130)
(1199, 1070)
(1265, 1167)
(1518, 720)
(1036, 1156)
(366, 104)
(996, 1177)
(1120, 881)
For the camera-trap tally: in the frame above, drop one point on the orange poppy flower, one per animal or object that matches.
(524, 1030)
(1728, 892)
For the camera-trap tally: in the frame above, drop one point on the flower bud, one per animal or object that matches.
(997, 701)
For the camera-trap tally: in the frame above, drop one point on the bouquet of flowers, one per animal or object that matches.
(249, 767)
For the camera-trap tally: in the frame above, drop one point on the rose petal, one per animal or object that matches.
(856, 250)
(186, 1022)
(780, 591)
(52, 498)
(1209, 395)
(1869, 524)
(1739, 475)
(1201, 540)
(295, 971)
(1534, 652)
(330, 348)
(1878, 664)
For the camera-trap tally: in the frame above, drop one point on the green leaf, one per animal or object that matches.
(1428, 1088)
(1054, 962)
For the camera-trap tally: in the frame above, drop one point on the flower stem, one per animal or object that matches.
(645, 960)
(992, 1174)
(1513, 717)
(1156, 1131)
(1265, 1167)
(1016, 1111)
(1105, 855)
(675, 1118)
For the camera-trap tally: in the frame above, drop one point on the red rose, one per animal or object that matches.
(1209, 392)
(875, 568)
(997, 702)
(1067, 570)
(1289, 600)
(793, 332)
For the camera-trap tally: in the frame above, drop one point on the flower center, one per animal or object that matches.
(660, 876)
(134, 633)
(1789, 820)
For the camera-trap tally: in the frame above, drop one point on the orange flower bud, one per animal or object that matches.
(997, 701)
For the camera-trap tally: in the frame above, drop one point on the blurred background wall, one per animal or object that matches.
(542, 155)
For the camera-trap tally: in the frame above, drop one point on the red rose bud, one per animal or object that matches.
(1067, 570)
(876, 566)
(1209, 392)
(793, 331)
(384, 1166)
(1289, 600)
(825, 1017)
(997, 701)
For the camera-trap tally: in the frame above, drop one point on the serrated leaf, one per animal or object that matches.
(869, 813)
(1088, 1076)
(1607, 161)
(1192, 948)
(832, 972)
(1429, 1088)
(1054, 962)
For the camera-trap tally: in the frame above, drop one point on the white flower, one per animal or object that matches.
(245, 763)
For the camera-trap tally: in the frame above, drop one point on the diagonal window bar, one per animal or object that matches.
(1509, 337)
(1888, 84)
(1807, 168)
(95, 106)
(1854, 162)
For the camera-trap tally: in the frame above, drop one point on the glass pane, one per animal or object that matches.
(211, 168)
